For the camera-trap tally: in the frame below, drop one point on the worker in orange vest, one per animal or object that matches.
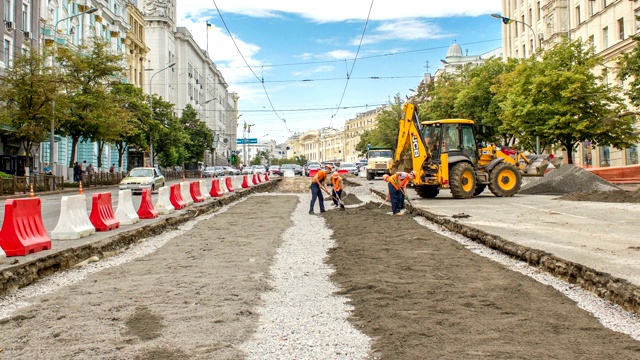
(318, 183)
(398, 190)
(337, 185)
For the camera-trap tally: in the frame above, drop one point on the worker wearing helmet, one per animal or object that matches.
(398, 190)
(337, 185)
(317, 185)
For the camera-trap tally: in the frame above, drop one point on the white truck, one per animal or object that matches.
(379, 161)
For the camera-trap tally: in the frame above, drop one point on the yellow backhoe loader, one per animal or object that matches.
(445, 154)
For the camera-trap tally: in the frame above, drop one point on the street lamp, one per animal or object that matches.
(53, 103)
(506, 21)
(150, 104)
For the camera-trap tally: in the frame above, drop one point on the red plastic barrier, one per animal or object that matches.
(228, 183)
(215, 188)
(245, 182)
(102, 216)
(254, 179)
(259, 178)
(266, 177)
(194, 190)
(342, 172)
(175, 196)
(23, 231)
(146, 209)
(312, 173)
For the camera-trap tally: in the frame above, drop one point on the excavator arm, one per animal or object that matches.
(410, 138)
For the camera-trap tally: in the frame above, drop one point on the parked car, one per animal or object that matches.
(312, 166)
(142, 178)
(209, 171)
(259, 169)
(350, 168)
(230, 170)
(297, 169)
(247, 170)
(275, 170)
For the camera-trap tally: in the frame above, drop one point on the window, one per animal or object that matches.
(8, 10)
(605, 156)
(530, 15)
(539, 11)
(7, 53)
(637, 23)
(578, 19)
(26, 26)
(592, 7)
(632, 155)
(605, 37)
(621, 28)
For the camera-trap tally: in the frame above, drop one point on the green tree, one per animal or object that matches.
(132, 130)
(86, 109)
(199, 135)
(167, 134)
(561, 100)
(385, 134)
(629, 69)
(441, 98)
(27, 90)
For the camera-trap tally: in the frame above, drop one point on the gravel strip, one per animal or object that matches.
(610, 315)
(301, 317)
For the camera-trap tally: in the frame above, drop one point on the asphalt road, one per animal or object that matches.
(600, 235)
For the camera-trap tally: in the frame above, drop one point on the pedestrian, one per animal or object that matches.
(112, 168)
(47, 169)
(90, 169)
(398, 190)
(318, 183)
(84, 166)
(337, 185)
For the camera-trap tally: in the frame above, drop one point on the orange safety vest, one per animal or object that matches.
(321, 175)
(336, 180)
(397, 182)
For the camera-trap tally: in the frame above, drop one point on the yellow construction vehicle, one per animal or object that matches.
(445, 154)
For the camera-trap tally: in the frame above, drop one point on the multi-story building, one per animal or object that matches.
(135, 43)
(354, 128)
(182, 73)
(605, 24)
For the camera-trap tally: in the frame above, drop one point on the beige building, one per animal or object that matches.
(354, 128)
(135, 42)
(606, 24)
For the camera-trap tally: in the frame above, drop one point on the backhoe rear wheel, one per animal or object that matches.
(462, 181)
(427, 191)
(504, 180)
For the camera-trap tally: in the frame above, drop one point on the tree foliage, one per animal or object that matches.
(132, 130)
(385, 134)
(198, 134)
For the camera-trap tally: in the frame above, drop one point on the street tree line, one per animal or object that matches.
(559, 98)
(81, 93)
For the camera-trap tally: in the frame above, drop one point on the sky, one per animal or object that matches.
(300, 65)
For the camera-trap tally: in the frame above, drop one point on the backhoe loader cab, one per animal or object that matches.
(445, 154)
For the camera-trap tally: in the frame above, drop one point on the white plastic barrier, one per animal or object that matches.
(223, 185)
(289, 173)
(186, 194)
(126, 213)
(203, 189)
(163, 205)
(74, 221)
(3, 256)
(362, 173)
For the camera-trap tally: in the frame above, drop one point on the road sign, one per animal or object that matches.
(247, 141)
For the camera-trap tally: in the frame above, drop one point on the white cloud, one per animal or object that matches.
(406, 29)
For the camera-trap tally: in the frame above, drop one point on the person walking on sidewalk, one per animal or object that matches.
(337, 185)
(398, 189)
(317, 185)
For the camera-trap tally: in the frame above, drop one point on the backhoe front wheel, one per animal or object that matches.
(462, 181)
(504, 180)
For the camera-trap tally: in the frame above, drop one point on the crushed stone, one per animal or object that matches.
(566, 180)
(615, 196)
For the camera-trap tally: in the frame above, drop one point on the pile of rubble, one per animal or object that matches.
(567, 179)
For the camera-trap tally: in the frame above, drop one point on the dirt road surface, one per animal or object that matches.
(417, 294)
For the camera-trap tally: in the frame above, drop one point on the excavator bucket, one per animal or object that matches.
(538, 164)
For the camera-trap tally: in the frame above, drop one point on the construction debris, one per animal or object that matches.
(566, 180)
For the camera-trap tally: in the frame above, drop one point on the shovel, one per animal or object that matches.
(337, 198)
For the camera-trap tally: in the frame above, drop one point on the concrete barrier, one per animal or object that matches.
(22, 231)
(146, 209)
(125, 212)
(163, 205)
(73, 222)
(102, 216)
(185, 193)
(203, 189)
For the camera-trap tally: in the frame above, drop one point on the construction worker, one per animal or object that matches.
(398, 190)
(337, 185)
(318, 184)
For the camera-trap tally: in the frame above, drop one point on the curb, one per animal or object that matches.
(23, 274)
(616, 290)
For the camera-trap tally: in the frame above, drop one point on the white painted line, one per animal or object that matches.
(549, 211)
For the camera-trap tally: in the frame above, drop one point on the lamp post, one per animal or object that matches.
(205, 121)
(247, 129)
(53, 103)
(506, 20)
(150, 104)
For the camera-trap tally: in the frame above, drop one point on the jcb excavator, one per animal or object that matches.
(446, 154)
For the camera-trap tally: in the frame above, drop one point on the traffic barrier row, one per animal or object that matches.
(23, 231)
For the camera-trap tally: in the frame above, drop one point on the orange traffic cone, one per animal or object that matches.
(31, 191)
(80, 188)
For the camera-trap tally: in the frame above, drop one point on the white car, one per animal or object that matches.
(349, 168)
(259, 169)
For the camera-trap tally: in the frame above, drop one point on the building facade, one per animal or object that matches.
(605, 24)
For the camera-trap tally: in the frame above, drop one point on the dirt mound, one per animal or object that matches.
(566, 180)
(616, 196)
(351, 199)
(294, 185)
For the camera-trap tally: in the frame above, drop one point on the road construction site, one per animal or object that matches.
(253, 275)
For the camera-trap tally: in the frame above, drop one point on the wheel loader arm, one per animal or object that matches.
(410, 138)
